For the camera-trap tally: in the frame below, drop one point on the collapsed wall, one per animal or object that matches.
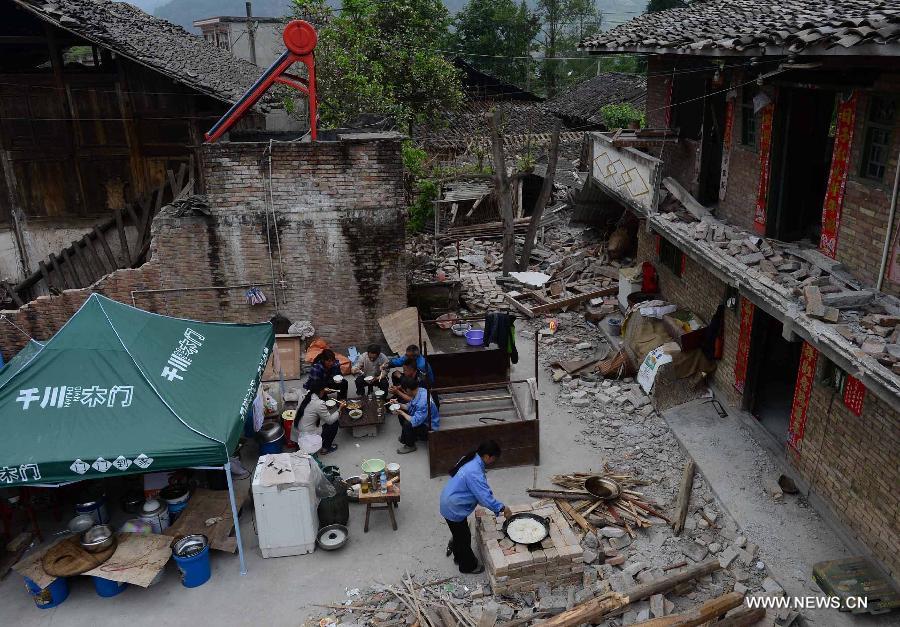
(329, 225)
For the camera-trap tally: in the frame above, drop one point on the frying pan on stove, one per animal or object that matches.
(544, 523)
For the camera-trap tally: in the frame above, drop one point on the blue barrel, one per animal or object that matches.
(271, 448)
(51, 596)
(107, 587)
(175, 509)
(195, 570)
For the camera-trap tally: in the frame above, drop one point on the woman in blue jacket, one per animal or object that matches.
(467, 488)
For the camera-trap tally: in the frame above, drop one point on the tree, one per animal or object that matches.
(564, 24)
(380, 57)
(494, 31)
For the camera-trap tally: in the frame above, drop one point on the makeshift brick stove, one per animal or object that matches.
(511, 567)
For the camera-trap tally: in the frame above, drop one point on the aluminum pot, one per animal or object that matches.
(132, 502)
(96, 507)
(81, 523)
(173, 494)
(189, 546)
(157, 514)
(97, 539)
(271, 431)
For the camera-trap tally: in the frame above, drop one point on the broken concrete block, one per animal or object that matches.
(832, 314)
(590, 556)
(873, 346)
(788, 266)
(620, 543)
(634, 568)
(727, 556)
(611, 532)
(693, 550)
(771, 586)
(657, 606)
(616, 560)
(581, 402)
(849, 298)
(767, 267)
(740, 588)
(750, 259)
(814, 306)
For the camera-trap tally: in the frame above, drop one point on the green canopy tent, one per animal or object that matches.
(121, 391)
(15, 364)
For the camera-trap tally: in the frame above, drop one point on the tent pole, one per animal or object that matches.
(234, 515)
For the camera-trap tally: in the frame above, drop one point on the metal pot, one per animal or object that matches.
(81, 523)
(603, 489)
(132, 502)
(332, 537)
(174, 494)
(157, 514)
(189, 546)
(97, 539)
(271, 431)
(95, 507)
(544, 523)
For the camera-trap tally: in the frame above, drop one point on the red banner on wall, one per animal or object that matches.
(667, 103)
(743, 348)
(765, 162)
(805, 376)
(837, 177)
(854, 395)
(726, 147)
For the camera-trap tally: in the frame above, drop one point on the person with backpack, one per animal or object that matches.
(467, 488)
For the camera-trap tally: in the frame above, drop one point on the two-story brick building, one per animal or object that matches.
(768, 187)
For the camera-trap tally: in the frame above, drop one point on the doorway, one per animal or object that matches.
(774, 362)
(711, 148)
(803, 141)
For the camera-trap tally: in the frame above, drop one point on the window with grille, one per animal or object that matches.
(748, 117)
(877, 146)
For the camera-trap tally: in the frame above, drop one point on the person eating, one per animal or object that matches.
(418, 417)
(325, 368)
(467, 488)
(369, 366)
(409, 371)
(314, 417)
(421, 364)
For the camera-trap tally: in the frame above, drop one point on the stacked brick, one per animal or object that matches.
(511, 567)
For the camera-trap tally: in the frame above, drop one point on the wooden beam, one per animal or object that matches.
(592, 610)
(684, 496)
(67, 257)
(580, 520)
(54, 261)
(101, 237)
(89, 245)
(698, 615)
(123, 241)
(42, 267)
(743, 617)
(574, 300)
(12, 293)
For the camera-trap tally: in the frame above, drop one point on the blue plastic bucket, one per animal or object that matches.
(107, 587)
(195, 570)
(271, 448)
(51, 596)
(175, 509)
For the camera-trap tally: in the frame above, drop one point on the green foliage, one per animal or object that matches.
(497, 28)
(564, 24)
(621, 115)
(380, 57)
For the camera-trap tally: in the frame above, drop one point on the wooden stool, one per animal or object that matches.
(377, 500)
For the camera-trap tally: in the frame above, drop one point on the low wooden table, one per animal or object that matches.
(377, 500)
(367, 425)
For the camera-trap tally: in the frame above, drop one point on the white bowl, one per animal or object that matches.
(379, 392)
(394, 406)
(330, 403)
(369, 379)
(337, 378)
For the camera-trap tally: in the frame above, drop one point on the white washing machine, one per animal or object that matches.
(286, 518)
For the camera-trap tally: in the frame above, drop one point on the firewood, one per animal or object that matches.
(699, 615)
(684, 496)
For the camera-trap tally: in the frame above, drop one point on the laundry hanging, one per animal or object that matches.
(255, 296)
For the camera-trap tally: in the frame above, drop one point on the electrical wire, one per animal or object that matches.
(20, 329)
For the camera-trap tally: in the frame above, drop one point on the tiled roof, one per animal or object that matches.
(470, 122)
(150, 41)
(581, 104)
(738, 26)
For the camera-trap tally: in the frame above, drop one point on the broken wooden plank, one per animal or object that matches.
(89, 245)
(45, 273)
(54, 261)
(698, 615)
(67, 257)
(684, 496)
(580, 520)
(574, 300)
(592, 610)
(743, 617)
(684, 197)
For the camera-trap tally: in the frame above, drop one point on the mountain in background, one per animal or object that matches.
(184, 12)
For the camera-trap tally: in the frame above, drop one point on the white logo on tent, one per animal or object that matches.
(79, 466)
(142, 461)
(122, 463)
(179, 361)
(59, 396)
(101, 464)
(11, 474)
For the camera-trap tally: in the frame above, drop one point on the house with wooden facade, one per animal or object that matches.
(765, 190)
(101, 107)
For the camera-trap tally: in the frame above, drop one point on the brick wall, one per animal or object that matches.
(699, 291)
(340, 220)
(852, 462)
(739, 203)
(867, 203)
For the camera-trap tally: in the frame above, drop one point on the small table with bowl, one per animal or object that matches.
(363, 415)
(373, 497)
